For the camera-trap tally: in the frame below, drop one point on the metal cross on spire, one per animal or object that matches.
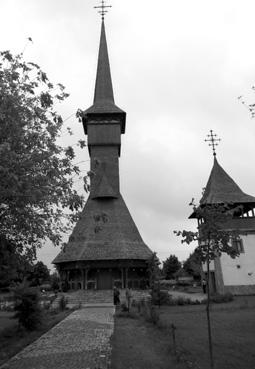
(212, 138)
(102, 8)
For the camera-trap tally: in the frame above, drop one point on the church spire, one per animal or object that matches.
(103, 89)
(103, 105)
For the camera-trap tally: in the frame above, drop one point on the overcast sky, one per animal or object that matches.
(178, 68)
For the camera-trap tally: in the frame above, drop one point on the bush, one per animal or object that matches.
(62, 303)
(27, 308)
(65, 286)
(164, 298)
(183, 301)
(137, 304)
(124, 307)
(149, 311)
(219, 298)
(46, 305)
(144, 307)
(154, 315)
(45, 287)
(159, 297)
(55, 282)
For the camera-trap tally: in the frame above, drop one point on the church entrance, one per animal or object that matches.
(104, 279)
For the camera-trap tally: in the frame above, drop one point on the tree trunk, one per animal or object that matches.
(208, 312)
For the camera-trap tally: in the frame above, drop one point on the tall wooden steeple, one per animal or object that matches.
(104, 123)
(116, 244)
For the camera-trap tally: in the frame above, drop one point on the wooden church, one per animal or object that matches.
(236, 276)
(105, 248)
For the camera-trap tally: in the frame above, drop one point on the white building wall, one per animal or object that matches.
(245, 274)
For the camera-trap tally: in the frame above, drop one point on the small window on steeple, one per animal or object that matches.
(237, 244)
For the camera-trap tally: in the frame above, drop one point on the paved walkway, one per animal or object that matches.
(80, 341)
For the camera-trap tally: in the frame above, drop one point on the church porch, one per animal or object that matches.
(104, 277)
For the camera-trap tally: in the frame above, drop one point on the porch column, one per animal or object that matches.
(96, 280)
(86, 278)
(126, 277)
(61, 276)
(122, 277)
(83, 276)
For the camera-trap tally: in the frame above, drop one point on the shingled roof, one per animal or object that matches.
(103, 96)
(115, 239)
(221, 188)
(103, 189)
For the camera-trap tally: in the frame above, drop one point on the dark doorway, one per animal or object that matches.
(104, 279)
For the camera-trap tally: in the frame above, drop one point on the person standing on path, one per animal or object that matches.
(128, 298)
(204, 285)
(116, 296)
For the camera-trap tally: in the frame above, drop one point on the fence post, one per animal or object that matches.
(173, 329)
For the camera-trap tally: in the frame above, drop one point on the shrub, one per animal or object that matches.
(62, 303)
(244, 304)
(164, 297)
(219, 298)
(126, 314)
(46, 305)
(183, 301)
(45, 287)
(55, 282)
(144, 308)
(138, 305)
(27, 308)
(65, 286)
(154, 315)
(124, 307)
(159, 297)
(149, 311)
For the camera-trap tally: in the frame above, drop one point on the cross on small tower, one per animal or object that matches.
(102, 8)
(212, 138)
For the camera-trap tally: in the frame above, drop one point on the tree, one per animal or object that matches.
(170, 266)
(54, 281)
(39, 274)
(153, 269)
(37, 198)
(13, 266)
(27, 307)
(193, 264)
(213, 238)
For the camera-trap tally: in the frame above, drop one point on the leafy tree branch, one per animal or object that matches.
(37, 196)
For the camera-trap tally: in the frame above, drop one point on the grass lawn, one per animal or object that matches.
(140, 345)
(6, 320)
(13, 340)
(233, 329)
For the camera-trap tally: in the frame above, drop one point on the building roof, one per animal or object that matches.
(114, 238)
(221, 188)
(103, 189)
(103, 95)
